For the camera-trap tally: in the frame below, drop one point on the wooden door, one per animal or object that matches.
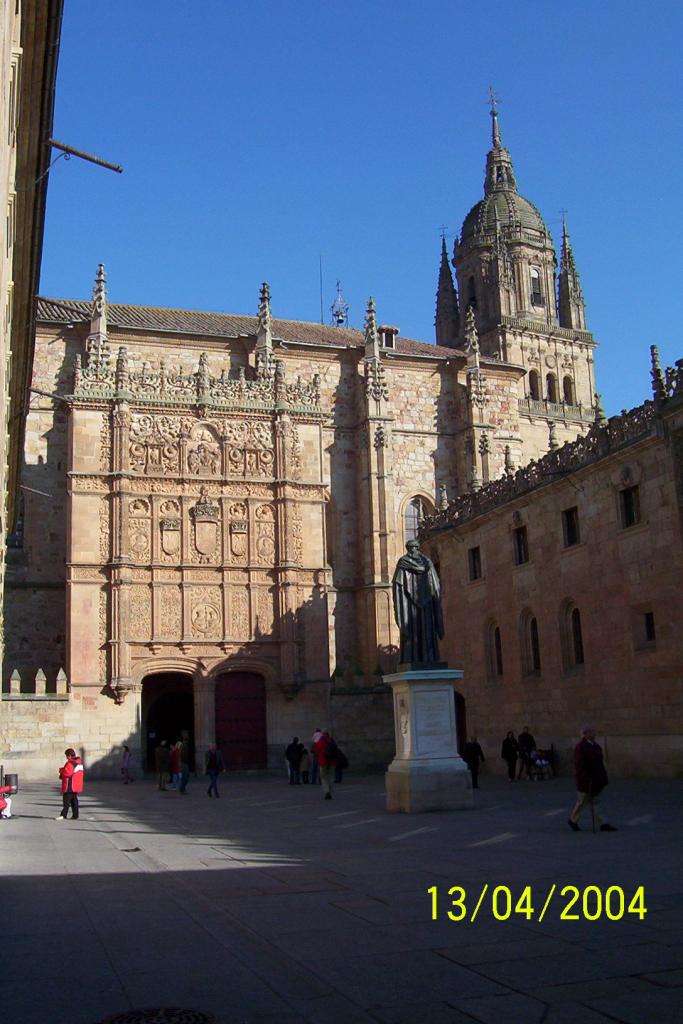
(241, 720)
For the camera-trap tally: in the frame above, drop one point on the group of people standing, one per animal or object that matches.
(521, 749)
(172, 765)
(324, 763)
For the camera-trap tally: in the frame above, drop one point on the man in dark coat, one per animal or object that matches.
(417, 607)
(591, 779)
(526, 743)
(294, 753)
(472, 755)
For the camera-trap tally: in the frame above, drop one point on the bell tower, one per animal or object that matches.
(524, 313)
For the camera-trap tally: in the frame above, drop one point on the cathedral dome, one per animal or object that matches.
(508, 208)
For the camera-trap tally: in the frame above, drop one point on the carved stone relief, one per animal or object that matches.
(140, 615)
(139, 537)
(205, 516)
(170, 613)
(104, 531)
(203, 454)
(265, 533)
(239, 531)
(105, 444)
(297, 536)
(239, 615)
(264, 611)
(206, 618)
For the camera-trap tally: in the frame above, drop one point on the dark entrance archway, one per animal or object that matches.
(167, 712)
(241, 719)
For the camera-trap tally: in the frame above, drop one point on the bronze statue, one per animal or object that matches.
(417, 607)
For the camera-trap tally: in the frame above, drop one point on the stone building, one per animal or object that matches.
(29, 44)
(217, 502)
(562, 592)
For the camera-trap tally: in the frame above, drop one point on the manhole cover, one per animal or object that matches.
(161, 1015)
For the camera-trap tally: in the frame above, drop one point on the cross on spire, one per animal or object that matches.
(495, 131)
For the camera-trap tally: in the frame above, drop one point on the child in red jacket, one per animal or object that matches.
(71, 775)
(5, 804)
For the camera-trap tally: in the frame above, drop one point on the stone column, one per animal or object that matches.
(204, 691)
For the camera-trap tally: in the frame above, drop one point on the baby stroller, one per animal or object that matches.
(540, 767)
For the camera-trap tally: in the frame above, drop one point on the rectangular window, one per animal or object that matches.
(474, 560)
(521, 545)
(570, 527)
(650, 635)
(630, 506)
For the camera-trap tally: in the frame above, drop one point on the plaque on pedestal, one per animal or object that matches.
(427, 773)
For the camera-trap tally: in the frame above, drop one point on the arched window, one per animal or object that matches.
(568, 391)
(494, 651)
(571, 636)
(551, 387)
(530, 644)
(471, 293)
(534, 390)
(415, 511)
(536, 291)
(577, 639)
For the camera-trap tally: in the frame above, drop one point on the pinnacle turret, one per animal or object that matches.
(571, 309)
(447, 313)
(264, 334)
(97, 346)
(371, 335)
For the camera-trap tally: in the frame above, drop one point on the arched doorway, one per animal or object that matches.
(167, 712)
(241, 719)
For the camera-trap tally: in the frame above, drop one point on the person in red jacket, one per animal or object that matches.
(591, 779)
(71, 775)
(326, 750)
(5, 805)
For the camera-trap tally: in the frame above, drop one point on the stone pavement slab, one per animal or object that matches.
(271, 905)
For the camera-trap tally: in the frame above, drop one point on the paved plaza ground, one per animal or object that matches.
(272, 905)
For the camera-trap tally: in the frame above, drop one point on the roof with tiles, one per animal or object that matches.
(221, 325)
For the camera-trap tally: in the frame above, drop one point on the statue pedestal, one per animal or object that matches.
(427, 773)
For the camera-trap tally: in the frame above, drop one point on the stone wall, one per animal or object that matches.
(623, 580)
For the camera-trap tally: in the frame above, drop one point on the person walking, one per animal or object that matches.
(162, 764)
(214, 766)
(527, 744)
(174, 764)
(127, 765)
(315, 775)
(71, 776)
(326, 752)
(591, 779)
(293, 753)
(472, 755)
(509, 752)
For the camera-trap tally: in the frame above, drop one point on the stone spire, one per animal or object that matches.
(500, 175)
(471, 336)
(570, 302)
(657, 376)
(371, 335)
(447, 320)
(264, 334)
(97, 346)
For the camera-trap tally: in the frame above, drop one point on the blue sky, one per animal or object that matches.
(259, 136)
